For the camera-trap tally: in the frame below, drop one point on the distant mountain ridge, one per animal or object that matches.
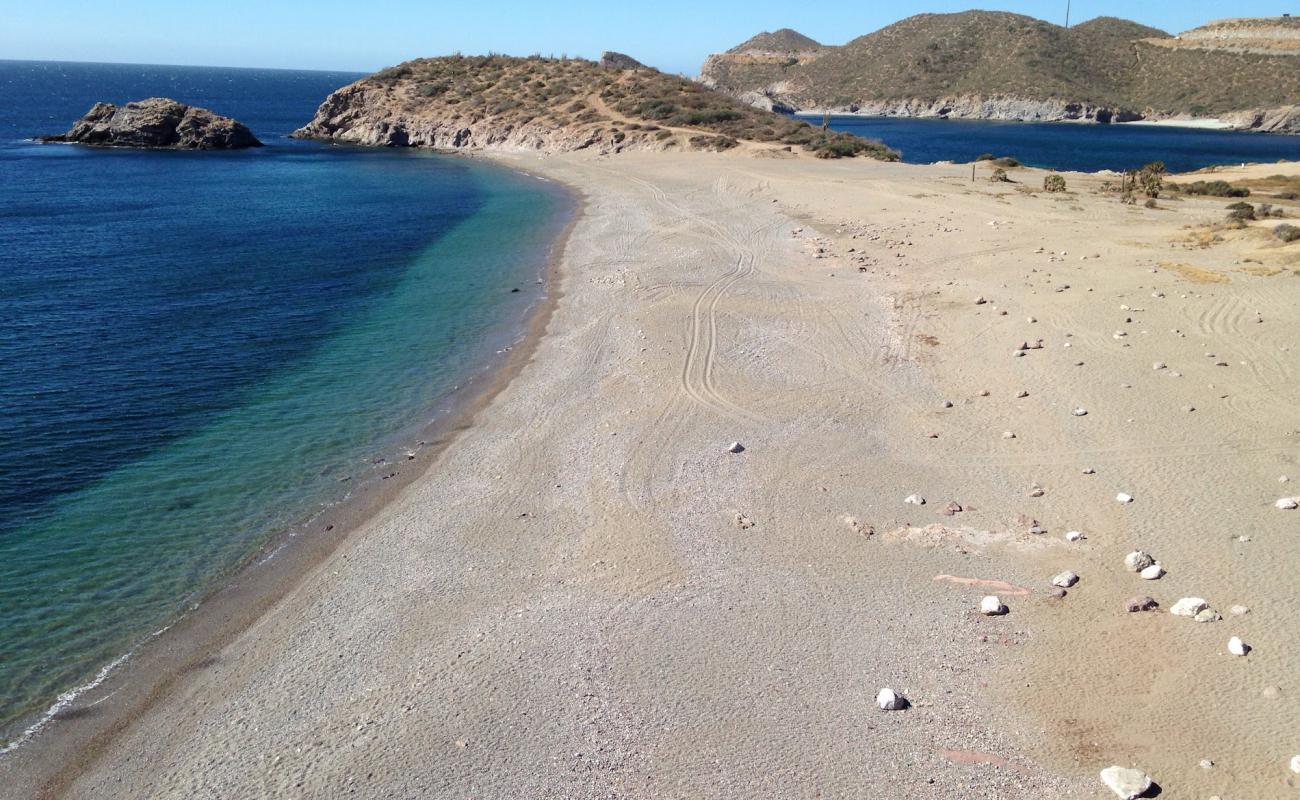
(998, 65)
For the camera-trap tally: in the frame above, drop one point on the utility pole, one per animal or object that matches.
(1067, 13)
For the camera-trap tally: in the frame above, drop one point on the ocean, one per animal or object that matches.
(201, 351)
(1068, 146)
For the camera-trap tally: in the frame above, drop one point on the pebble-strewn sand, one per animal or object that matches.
(589, 596)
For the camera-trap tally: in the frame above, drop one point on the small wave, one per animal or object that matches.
(66, 699)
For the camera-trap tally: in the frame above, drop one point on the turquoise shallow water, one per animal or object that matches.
(198, 351)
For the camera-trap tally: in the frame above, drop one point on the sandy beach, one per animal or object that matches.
(588, 595)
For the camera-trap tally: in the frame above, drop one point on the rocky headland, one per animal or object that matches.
(157, 122)
(555, 105)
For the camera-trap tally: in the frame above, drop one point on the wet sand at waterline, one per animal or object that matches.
(588, 595)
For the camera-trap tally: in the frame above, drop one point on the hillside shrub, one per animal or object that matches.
(1054, 183)
(999, 176)
(1287, 233)
(1287, 195)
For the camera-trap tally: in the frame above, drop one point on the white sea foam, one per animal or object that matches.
(66, 699)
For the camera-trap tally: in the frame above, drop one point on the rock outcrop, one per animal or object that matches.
(158, 123)
(612, 60)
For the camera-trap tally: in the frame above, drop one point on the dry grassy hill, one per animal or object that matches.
(1002, 65)
(554, 105)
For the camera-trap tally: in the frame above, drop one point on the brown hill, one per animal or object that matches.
(1002, 65)
(555, 105)
(784, 40)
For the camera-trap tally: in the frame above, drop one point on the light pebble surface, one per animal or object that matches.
(625, 638)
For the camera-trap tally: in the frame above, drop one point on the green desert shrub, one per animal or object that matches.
(1241, 211)
(999, 176)
(1287, 195)
(1287, 233)
(718, 143)
(1054, 183)
(1211, 189)
(708, 117)
(1151, 178)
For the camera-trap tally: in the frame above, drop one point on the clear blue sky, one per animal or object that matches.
(363, 35)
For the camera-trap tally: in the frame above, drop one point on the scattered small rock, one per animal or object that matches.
(1080, 412)
(1237, 647)
(889, 700)
(1008, 435)
(1065, 580)
(1295, 764)
(743, 522)
(736, 447)
(1288, 503)
(1239, 611)
(991, 606)
(1140, 603)
(914, 499)
(1123, 498)
(1137, 561)
(1058, 593)
(1189, 607)
(1128, 784)
(951, 508)
(1073, 536)
(1152, 573)
(1089, 471)
(1207, 615)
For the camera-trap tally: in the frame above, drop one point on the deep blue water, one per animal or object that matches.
(198, 350)
(1068, 146)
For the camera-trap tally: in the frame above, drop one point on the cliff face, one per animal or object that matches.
(995, 65)
(554, 105)
(372, 115)
(157, 123)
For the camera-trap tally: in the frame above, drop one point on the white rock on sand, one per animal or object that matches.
(889, 700)
(1126, 783)
(914, 500)
(1189, 607)
(991, 606)
(1287, 503)
(1073, 536)
(1295, 764)
(1153, 572)
(1065, 580)
(736, 447)
(1123, 498)
(1137, 561)
(1237, 647)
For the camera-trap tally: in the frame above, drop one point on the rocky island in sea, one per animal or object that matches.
(157, 122)
(557, 105)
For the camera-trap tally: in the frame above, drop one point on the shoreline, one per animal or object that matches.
(596, 596)
(127, 687)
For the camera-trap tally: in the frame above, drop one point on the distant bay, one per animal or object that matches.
(1083, 147)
